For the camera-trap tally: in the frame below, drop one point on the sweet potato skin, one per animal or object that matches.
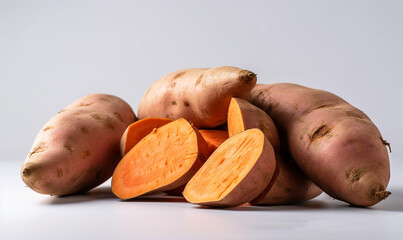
(290, 185)
(78, 148)
(334, 143)
(201, 96)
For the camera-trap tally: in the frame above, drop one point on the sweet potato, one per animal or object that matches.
(214, 138)
(237, 172)
(78, 149)
(201, 96)
(242, 115)
(334, 143)
(289, 184)
(138, 130)
(164, 159)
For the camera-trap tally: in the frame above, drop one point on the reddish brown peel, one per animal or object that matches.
(334, 143)
(78, 148)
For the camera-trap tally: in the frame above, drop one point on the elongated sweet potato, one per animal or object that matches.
(201, 96)
(237, 172)
(334, 143)
(164, 159)
(78, 149)
(138, 130)
(289, 184)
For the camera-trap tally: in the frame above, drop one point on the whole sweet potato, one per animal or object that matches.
(78, 149)
(334, 143)
(201, 96)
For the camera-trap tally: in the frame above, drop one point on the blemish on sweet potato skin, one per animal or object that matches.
(199, 79)
(355, 174)
(59, 173)
(105, 119)
(118, 116)
(38, 149)
(105, 99)
(353, 114)
(322, 131)
(180, 74)
(47, 128)
(68, 148)
(84, 130)
(204, 111)
(86, 154)
(82, 104)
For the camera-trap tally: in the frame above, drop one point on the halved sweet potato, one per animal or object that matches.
(164, 159)
(237, 172)
(138, 130)
(289, 184)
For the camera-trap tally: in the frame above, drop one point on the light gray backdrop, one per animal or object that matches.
(53, 52)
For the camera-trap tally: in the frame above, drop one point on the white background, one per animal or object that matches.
(53, 52)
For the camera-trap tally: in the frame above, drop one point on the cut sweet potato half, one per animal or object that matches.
(289, 184)
(138, 130)
(164, 159)
(242, 115)
(237, 172)
(213, 138)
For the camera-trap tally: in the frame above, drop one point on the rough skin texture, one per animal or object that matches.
(201, 96)
(334, 143)
(78, 149)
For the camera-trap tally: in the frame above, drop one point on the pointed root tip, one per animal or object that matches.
(381, 195)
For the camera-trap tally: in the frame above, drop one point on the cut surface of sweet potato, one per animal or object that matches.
(165, 159)
(138, 130)
(242, 115)
(214, 138)
(238, 171)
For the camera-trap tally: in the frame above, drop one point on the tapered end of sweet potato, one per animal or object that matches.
(247, 77)
(381, 195)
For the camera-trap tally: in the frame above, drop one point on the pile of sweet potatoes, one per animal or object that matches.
(218, 139)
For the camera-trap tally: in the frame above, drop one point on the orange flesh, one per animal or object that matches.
(159, 159)
(214, 138)
(235, 120)
(138, 130)
(225, 168)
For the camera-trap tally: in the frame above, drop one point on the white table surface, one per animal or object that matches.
(25, 214)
